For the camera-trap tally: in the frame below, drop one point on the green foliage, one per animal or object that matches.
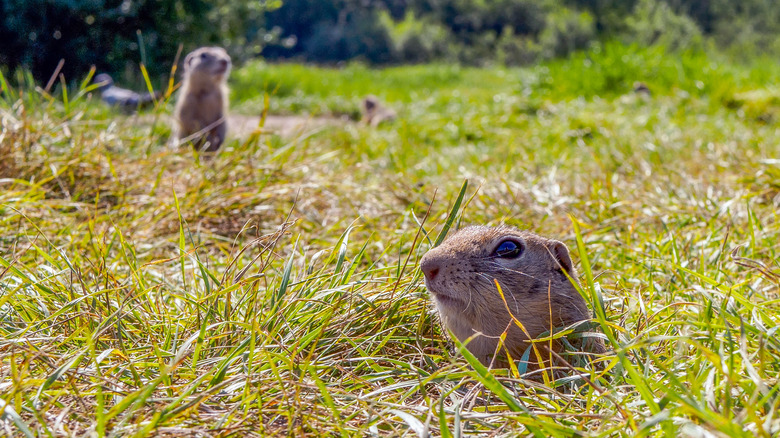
(117, 35)
(656, 23)
(329, 31)
(607, 70)
(113, 35)
(352, 37)
(466, 17)
(416, 39)
(566, 32)
(238, 26)
(517, 50)
(749, 28)
(513, 32)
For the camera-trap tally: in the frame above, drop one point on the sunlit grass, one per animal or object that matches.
(274, 289)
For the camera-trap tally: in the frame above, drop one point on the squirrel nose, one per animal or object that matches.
(430, 267)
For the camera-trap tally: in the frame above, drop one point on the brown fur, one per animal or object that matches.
(374, 112)
(201, 110)
(460, 275)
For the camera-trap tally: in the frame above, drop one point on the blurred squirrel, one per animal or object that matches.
(642, 88)
(201, 109)
(126, 100)
(374, 112)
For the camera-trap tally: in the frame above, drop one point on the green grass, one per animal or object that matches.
(274, 290)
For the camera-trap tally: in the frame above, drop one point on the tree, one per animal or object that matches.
(117, 35)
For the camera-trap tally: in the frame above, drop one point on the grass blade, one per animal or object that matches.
(453, 214)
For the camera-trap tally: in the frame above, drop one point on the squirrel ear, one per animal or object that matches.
(188, 61)
(561, 254)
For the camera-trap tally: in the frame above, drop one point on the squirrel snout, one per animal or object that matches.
(430, 267)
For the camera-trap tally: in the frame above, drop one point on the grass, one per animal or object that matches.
(274, 290)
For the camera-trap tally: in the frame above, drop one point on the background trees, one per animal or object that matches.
(115, 35)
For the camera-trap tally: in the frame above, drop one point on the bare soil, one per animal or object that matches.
(242, 126)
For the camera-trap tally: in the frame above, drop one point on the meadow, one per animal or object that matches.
(275, 289)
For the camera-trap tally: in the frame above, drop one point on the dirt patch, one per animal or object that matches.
(241, 126)
(285, 126)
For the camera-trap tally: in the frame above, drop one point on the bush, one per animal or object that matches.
(417, 40)
(567, 31)
(517, 50)
(357, 36)
(655, 22)
(466, 17)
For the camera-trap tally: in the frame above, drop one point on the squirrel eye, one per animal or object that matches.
(203, 56)
(508, 249)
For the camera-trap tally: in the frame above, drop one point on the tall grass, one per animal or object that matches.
(274, 290)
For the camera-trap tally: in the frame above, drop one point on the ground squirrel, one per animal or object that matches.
(641, 88)
(374, 112)
(201, 110)
(532, 272)
(127, 100)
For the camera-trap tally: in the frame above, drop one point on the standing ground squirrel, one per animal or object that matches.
(201, 110)
(460, 275)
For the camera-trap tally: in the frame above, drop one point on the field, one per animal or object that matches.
(275, 289)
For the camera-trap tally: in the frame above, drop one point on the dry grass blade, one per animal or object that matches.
(755, 265)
